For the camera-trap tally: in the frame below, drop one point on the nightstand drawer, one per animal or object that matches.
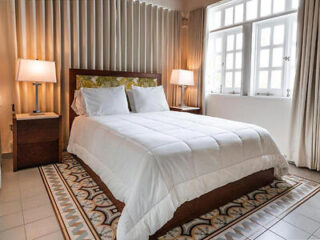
(36, 139)
(34, 131)
(31, 155)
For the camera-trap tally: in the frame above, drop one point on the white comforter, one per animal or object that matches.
(154, 162)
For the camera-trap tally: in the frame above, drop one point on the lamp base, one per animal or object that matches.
(182, 96)
(37, 110)
(36, 113)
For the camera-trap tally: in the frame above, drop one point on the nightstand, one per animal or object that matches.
(195, 110)
(36, 140)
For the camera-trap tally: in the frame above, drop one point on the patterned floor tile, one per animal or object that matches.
(85, 211)
(248, 228)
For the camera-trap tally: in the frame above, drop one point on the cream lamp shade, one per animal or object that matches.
(182, 77)
(36, 71)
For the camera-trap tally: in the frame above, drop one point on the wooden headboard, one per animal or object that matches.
(85, 72)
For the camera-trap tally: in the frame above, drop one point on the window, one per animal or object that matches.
(274, 56)
(259, 33)
(226, 63)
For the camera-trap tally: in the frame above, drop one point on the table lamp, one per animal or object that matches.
(36, 71)
(183, 78)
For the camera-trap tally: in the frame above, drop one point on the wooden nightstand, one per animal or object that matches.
(36, 140)
(195, 110)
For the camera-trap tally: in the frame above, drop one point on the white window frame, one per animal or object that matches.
(249, 70)
(223, 69)
(287, 21)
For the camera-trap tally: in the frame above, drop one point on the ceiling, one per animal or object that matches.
(182, 5)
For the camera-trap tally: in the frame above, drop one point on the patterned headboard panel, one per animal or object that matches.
(102, 78)
(89, 81)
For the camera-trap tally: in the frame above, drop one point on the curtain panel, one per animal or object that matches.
(305, 122)
(118, 35)
(195, 55)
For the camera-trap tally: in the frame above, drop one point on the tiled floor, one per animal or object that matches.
(25, 209)
(26, 212)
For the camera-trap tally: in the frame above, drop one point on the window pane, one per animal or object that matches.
(252, 7)
(264, 58)
(239, 41)
(276, 77)
(293, 56)
(238, 13)
(218, 45)
(228, 82)
(230, 42)
(218, 62)
(237, 80)
(278, 6)
(263, 79)
(216, 20)
(238, 60)
(277, 57)
(217, 82)
(295, 4)
(294, 32)
(265, 36)
(278, 34)
(229, 58)
(228, 20)
(265, 8)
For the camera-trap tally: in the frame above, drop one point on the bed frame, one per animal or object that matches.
(191, 209)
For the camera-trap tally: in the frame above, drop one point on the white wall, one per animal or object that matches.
(270, 113)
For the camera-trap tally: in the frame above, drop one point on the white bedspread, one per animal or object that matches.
(154, 162)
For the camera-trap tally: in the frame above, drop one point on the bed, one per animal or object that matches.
(164, 168)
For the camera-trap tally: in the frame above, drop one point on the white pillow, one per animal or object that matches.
(150, 99)
(78, 104)
(105, 101)
(131, 100)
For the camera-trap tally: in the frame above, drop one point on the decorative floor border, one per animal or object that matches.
(85, 212)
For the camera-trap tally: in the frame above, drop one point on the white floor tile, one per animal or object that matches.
(11, 221)
(10, 207)
(268, 235)
(17, 233)
(300, 221)
(41, 228)
(309, 212)
(32, 192)
(52, 236)
(34, 214)
(36, 201)
(317, 233)
(8, 195)
(288, 231)
(314, 201)
(314, 238)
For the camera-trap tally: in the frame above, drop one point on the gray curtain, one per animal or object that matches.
(305, 124)
(120, 35)
(195, 55)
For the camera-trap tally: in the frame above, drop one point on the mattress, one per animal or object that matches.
(154, 162)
